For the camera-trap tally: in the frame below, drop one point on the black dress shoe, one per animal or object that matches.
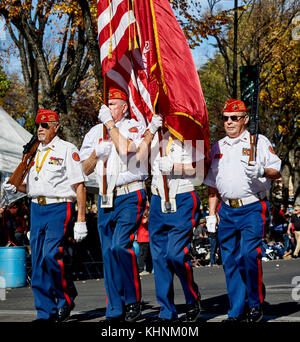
(193, 311)
(64, 313)
(133, 312)
(255, 314)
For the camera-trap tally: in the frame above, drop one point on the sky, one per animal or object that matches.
(200, 54)
(2, 32)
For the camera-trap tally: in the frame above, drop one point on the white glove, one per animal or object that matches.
(254, 170)
(211, 222)
(165, 165)
(104, 114)
(9, 187)
(155, 123)
(103, 149)
(80, 231)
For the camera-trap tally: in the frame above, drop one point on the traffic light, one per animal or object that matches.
(249, 76)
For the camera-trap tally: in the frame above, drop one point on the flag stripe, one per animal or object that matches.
(122, 64)
(117, 36)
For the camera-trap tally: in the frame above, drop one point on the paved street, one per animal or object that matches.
(282, 303)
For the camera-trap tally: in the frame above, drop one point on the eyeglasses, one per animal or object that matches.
(232, 117)
(42, 124)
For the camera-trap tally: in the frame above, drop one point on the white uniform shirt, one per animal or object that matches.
(227, 171)
(59, 172)
(179, 153)
(124, 168)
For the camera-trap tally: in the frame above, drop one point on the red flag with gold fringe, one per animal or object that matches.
(169, 60)
(144, 51)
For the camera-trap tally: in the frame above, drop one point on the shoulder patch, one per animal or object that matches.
(271, 149)
(133, 129)
(75, 156)
(218, 156)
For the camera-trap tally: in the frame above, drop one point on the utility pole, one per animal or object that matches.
(234, 64)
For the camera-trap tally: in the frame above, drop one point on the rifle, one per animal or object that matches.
(22, 169)
(253, 122)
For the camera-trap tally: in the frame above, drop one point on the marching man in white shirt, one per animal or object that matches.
(54, 182)
(170, 229)
(243, 210)
(120, 210)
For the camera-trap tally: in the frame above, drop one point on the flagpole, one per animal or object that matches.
(104, 182)
(166, 189)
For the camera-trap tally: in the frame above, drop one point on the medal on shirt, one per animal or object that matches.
(39, 167)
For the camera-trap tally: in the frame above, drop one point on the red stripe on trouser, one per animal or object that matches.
(259, 265)
(186, 251)
(61, 264)
(260, 280)
(194, 208)
(189, 275)
(263, 215)
(133, 256)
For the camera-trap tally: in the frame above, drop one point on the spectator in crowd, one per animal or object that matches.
(145, 259)
(199, 232)
(3, 227)
(294, 227)
(279, 222)
(288, 254)
(21, 228)
(202, 228)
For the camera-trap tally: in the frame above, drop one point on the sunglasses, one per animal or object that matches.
(232, 117)
(42, 124)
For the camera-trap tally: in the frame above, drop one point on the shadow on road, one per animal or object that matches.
(214, 306)
(280, 310)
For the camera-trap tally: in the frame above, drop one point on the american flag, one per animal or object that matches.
(121, 59)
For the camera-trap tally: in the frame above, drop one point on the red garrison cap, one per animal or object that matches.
(46, 115)
(115, 93)
(233, 105)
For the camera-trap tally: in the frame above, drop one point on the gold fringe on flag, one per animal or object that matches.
(134, 27)
(157, 48)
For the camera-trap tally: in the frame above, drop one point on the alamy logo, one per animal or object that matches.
(296, 289)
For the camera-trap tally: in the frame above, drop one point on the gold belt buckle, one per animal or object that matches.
(234, 203)
(41, 200)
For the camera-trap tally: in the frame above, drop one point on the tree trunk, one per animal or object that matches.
(296, 176)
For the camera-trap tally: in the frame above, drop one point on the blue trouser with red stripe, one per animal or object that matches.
(51, 288)
(170, 237)
(240, 236)
(117, 227)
